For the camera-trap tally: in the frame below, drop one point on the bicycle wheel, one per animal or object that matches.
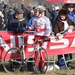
(12, 60)
(42, 59)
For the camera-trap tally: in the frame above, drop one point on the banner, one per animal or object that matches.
(61, 1)
(55, 47)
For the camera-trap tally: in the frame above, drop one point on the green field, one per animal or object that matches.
(53, 72)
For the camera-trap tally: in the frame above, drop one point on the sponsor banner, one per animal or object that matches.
(55, 46)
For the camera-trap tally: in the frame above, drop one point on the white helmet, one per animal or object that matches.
(40, 8)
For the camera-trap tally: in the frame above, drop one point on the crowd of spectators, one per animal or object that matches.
(6, 11)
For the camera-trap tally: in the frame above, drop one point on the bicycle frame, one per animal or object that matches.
(36, 47)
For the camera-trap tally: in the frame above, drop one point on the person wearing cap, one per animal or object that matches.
(71, 13)
(61, 24)
(71, 16)
(17, 22)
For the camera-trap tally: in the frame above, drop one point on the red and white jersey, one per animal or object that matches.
(41, 26)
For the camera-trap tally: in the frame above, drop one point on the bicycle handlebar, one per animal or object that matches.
(29, 31)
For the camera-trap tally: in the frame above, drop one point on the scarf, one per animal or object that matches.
(65, 25)
(20, 19)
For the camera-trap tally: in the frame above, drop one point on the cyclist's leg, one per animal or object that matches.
(37, 57)
(42, 56)
(43, 60)
(36, 66)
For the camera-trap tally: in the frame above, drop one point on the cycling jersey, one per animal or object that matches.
(41, 26)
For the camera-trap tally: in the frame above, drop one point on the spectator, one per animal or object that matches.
(71, 16)
(71, 13)
(11, 11)
(50, 14)
(47, 12)
(55, 11)
(1, 21)
(24, 9)
(0, 7)
(1, 14)
(16, 22)
(5, 13)
(31, 18)
(62, 23)
(28, 13)
(22, 6)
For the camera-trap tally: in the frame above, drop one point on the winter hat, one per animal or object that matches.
(19, 11)
(63, 12)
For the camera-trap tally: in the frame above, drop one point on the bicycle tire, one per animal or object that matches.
(8, 64)
(43, 69)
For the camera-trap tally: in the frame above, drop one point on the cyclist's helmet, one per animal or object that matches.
(40, 9)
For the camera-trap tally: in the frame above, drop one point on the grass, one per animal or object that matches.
(53, 72)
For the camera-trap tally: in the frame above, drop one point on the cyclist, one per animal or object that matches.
(43, 16)
(41, 26)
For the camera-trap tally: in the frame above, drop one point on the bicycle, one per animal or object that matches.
(17, 57)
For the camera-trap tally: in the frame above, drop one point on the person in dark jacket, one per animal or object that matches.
(11, 11)
(1, 24)
(71, 12)
(61, 24)
(1, 21)
(17, 22)
(5, 13)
